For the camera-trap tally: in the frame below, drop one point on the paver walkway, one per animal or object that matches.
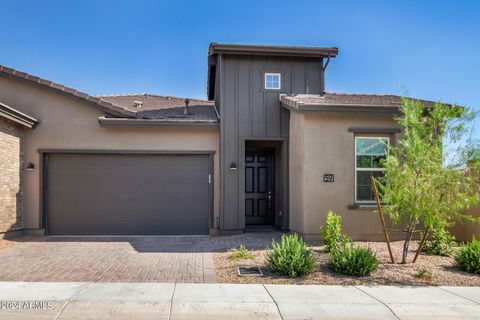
(41, 300)
(121, 259)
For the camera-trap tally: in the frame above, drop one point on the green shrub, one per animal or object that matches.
(241, 253)
(353, 261)
(424, 274)
(291, 257)
(468, 259)
(332, 232)
(441, 243)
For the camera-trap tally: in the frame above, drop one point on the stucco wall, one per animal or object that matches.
(325, 145)
(66, 123)
(11, 171)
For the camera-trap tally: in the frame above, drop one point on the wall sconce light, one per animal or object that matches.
(30, 166)
(233, 166)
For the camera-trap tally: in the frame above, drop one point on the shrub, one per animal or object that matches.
(468, 259)
(291, 257)
(353, 261)
(424, 274)
(440, 244)
(241, 253)
(332, 232)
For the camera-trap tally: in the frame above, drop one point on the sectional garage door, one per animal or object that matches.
(127, 194)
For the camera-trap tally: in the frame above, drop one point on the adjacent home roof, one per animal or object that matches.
(165, 108)
(346, 102)
(10, 113)
(272, 50)
(104, 105)
(155, 110)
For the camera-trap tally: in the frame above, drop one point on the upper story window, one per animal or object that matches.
(369, 151)
(273, 81)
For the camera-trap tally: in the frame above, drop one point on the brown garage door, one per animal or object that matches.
(127, 194)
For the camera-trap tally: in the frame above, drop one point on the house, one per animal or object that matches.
(269, 148)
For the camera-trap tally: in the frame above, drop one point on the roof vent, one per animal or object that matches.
(137, 104)
(185, 111)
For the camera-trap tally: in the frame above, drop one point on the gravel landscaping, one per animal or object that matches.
(443, 269)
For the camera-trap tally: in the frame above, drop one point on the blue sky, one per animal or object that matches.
(429, 48)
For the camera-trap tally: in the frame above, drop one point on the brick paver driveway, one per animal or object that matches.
(120, 259)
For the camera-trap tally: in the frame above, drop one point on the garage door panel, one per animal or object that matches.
(127, 194)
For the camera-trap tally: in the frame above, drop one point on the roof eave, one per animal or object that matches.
(16, 116)
(246, 49)
(70, 92)
(341, 109)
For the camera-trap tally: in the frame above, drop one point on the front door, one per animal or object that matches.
(259, 187)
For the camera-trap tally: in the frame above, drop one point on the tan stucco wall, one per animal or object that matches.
(66, 123)
(322, 144)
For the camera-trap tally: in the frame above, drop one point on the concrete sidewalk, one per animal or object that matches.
(47, 300)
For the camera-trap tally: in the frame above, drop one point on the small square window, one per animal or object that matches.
(273, 81)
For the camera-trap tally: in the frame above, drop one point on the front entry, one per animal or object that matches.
(259, 187)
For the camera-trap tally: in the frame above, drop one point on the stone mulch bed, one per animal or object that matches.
(443, 269)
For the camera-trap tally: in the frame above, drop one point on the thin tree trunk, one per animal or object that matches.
(406, 244)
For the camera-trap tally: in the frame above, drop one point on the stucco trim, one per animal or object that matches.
(373, 130)
(10, 113)
(153, 123)
(122, 151)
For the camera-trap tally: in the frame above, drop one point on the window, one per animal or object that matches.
(273, 81)
(369, 151)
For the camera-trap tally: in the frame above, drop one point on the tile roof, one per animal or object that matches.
(150, 106)
(104, 105)
(153, 106)
(329, 99)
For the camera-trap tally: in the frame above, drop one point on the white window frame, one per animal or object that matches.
(272, 74)
(367, 169)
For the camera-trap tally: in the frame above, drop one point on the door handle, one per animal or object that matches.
(269, 198)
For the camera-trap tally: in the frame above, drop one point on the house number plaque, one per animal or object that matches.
(328, 177)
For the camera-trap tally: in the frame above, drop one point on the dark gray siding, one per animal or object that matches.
(249, 112)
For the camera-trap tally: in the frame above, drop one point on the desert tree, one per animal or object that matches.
(430, 180)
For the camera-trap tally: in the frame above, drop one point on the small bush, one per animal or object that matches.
(241, 253)
(424, 274)
(440, 244)
(468, 259)
(332, 232)
(291, 257)
(353, 261)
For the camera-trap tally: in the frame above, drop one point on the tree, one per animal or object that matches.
(421, 189)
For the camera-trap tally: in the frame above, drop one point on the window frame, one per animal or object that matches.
(367, 169)
(279, 74)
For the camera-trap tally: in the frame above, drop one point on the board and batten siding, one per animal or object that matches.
(249, 112)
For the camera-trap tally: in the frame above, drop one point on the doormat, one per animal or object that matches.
(249, 271)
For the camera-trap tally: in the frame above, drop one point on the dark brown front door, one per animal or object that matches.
(259, 187)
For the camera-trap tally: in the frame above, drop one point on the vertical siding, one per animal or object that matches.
(250, 111)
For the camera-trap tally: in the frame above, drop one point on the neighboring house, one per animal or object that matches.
(269, 148)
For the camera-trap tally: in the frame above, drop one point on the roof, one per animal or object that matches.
(10, 113)
(122, 106)
(346, 102)
(165, 108)
(104, 105)
(272, 50)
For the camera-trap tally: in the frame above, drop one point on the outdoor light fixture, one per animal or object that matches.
(30, 166)
(233, 165)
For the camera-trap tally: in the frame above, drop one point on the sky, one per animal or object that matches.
(430, 49)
